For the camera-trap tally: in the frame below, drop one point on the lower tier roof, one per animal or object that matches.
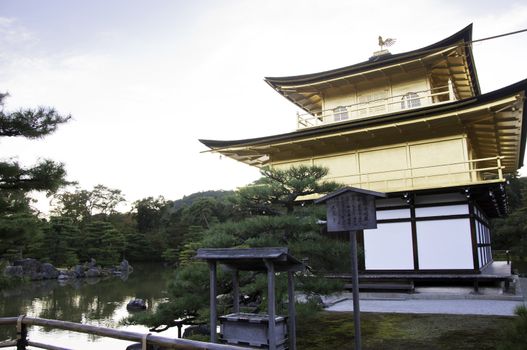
(493, 122)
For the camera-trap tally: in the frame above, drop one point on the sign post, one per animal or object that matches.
(351, 209)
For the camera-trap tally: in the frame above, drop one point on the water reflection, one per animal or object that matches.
(100, 302)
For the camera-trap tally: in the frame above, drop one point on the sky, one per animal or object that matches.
(144, 80)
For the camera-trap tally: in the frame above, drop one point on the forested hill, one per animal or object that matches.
(190, 199)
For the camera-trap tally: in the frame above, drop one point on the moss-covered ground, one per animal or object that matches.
(332, 330)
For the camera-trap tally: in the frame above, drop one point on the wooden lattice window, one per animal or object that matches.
(340, 113)
(410, 100)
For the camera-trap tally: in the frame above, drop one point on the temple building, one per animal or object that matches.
(416, 126)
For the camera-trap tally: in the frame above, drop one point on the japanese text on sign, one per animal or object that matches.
(351, 211)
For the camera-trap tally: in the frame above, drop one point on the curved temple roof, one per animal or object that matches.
(508, 132)
(286, 86)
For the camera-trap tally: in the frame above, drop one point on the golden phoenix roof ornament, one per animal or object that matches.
(387, 42)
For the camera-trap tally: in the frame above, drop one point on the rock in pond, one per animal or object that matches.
(14, 271)
(202, 329)
(93, 272)
(136, 305)
(78, 270)
(49, 271)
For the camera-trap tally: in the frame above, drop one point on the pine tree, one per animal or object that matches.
(31, 124)
(59, 240)
(102, 242)
(280, 188)
(19, 227)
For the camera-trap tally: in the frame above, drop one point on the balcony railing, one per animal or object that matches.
(396, 103)
(474, 171)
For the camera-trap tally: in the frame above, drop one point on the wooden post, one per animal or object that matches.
(355, 286)
(292, 311)
(451, 94)
(500, 169)
(476, 286)
(21, 341)
(213, 309)
(21, 334)
(271, 304)
(235, 292)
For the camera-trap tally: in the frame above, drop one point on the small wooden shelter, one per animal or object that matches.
(271, 260)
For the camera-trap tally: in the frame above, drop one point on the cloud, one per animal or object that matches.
(12, 33)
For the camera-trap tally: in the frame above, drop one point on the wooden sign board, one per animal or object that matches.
(351, 211)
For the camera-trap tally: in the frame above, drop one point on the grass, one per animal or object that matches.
(332, 330)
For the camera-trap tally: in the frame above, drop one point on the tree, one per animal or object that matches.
(45, 176)
(296, 229)
(73, 205)
(82, 205)
(102, 242)
(283, 187)
(510, 233)
(60, 236)
(32, 124)
(203, 212)
(12, 202)
(148, 213)
(104, 200)
(19, 227)
(19, 233)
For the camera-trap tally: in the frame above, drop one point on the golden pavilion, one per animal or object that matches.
(416, 126)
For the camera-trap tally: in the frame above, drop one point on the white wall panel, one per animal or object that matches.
(389, 247)
(458, 209)
(444, 244)
(393, 214)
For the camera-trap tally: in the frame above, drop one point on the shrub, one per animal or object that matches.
(515, 338)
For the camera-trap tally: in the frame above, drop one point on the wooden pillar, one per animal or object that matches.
(271, 304)
(21, 334)
(235, 292)
(355, 286)
(292, 311)
(213, 308)
(476, 286)
(415, 247)
(473, 236)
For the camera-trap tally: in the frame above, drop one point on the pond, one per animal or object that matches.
(98, 302)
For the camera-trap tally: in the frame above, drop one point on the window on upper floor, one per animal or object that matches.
(340, 113)
(410, 100)
(372, 102)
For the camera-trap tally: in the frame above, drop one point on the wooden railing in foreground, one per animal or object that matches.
(147, 340)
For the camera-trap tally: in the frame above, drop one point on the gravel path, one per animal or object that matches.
(460, 307)
(458, 301)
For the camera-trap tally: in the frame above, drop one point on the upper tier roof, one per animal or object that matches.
(478, 116)
(286, 85)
